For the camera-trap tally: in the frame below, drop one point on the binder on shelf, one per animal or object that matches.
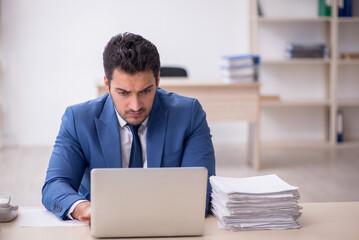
(345, 8)
(324, 8)
(340, 126)
(259, 8)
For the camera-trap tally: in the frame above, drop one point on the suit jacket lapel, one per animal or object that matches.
(109, 135)
(156, 132)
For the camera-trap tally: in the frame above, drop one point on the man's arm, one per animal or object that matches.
(65, 171)
(198, 147)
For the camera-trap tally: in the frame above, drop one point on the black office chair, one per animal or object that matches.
(173, 72)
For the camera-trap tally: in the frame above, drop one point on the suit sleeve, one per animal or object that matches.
(198, 147)
(66, 168)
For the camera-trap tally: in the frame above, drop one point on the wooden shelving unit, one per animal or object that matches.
(294, 61)
(292, 19)
(1, 89)
(296, 103)
(329, 31)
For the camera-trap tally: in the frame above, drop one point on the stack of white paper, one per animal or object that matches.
(255, 203)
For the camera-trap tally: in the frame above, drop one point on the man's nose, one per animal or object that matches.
(135, 103)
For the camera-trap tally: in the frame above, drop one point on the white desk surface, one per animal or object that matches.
(337, 221)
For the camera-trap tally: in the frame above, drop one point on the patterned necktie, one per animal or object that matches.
(136, 150)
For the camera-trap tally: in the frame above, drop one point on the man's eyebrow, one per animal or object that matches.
(121, 89)
(147, 88)
(124, 90)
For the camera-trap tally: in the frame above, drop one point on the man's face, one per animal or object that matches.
(132, 94)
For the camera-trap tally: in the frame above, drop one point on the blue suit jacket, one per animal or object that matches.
(177, 136)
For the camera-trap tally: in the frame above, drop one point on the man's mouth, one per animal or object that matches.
(136, 114)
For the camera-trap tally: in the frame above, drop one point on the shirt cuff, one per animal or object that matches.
(72, 208)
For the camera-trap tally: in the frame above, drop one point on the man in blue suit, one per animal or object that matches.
(171, 130)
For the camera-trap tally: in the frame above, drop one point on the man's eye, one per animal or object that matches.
(146, 91)
(123, 93)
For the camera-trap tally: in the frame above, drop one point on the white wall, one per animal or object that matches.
(52, 51)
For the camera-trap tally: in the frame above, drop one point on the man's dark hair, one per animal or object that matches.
(131, 54)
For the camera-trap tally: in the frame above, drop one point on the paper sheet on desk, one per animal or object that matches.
(43, 218)
(268, 184)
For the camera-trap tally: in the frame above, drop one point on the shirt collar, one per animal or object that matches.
(123, 123)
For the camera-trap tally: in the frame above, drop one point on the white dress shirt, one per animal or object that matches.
(126, 140)
(126, 143)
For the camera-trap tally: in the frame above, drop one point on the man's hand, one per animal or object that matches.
(82, 212)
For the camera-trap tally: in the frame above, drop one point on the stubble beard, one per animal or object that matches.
(135, 120)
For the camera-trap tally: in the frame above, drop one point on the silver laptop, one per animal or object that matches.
(147, 202)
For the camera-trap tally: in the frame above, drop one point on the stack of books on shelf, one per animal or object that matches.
(240, 68)
(306, 50)
(255, 203)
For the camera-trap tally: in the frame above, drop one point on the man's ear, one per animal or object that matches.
(107, 84)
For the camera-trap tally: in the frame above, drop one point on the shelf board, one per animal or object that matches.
(295, 143)
(348, 62)
(304, 61)
(308, 143)
(348, 102)
(307, 19)
(295, 103)
(348, 20)
(348, 143)
(293, 19)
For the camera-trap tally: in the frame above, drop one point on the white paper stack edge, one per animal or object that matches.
(255, 203)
